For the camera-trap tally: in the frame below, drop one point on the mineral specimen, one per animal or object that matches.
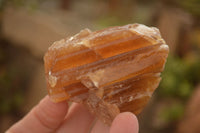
(110, 71)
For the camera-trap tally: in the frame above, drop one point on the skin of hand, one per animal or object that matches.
(49, 117)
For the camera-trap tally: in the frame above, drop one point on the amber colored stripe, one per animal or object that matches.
(79, 92)
(118, 46)
(75, 89)
(155, 67)
(134, 105)
(132, 85)
(75, 60)
(107, 61)
(120, 57)
(97, 65)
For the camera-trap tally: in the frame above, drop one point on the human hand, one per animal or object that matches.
(47, 117)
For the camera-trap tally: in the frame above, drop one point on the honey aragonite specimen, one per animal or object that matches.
(110, 71)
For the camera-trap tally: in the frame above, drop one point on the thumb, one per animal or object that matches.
(44, 117)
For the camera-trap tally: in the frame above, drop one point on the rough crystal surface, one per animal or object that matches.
(110, 71)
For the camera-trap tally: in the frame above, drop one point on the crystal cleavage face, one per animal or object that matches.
(110, 71)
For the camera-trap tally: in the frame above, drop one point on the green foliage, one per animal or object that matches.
(193, 6)
(31, 5)
(110, 20)
(15, 72)
(172, 113)
(179, 78)
(11, 97)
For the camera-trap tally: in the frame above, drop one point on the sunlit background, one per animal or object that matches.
(29, 27)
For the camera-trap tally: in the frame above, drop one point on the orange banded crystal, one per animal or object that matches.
(110, 71)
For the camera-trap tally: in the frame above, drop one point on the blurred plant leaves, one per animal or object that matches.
(179, 78)
(193, 6)
(172, 113)
(16, 67)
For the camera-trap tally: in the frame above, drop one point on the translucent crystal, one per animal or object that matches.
(110, 71)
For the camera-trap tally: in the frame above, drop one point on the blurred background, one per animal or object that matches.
(29, 27)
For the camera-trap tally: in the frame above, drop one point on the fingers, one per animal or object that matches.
(125, 123)
(47, 117)
(43, 118)
(100, 127)
(78, 120)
